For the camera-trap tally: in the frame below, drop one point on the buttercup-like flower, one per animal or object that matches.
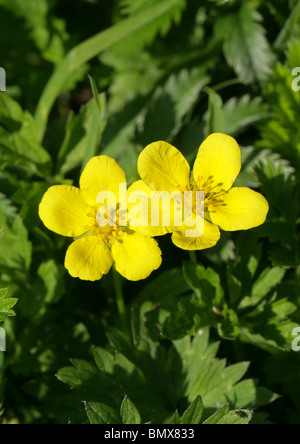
(73, 212)
(163, 168)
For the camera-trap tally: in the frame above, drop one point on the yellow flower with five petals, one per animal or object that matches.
(72, 212)
(163, 168)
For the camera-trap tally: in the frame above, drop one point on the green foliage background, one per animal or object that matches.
(211, 338)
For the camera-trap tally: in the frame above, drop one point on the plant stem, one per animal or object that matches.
(193, 257)
(120, 302)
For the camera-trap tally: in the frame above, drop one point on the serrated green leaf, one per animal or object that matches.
(236, 417)
(218, 416)
(6, 305)
(194, 413)
(246, 48)
(240, 113)
(149, 376)
(7, 208)
(175, 419)
(281, 133)
(129, 413)
(171, 104)
(99, 413)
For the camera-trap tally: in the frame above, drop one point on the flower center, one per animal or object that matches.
(109, 232)
(213, 192)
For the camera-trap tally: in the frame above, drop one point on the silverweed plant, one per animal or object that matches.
(149, 214)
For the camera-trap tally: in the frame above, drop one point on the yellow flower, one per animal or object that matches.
(163, 168)
(73, 212)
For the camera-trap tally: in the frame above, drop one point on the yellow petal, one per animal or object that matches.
(242, 209)
(102, 173)
(64, 211)
(136, 256)
(163, 168)
(141, 198)
(88, 259)
(218, 162)
(209, 238)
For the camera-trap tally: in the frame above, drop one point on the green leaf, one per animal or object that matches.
(236, 417)
(83, 135)
(170, 283)
(281, 133)
(19, 146)
(99, 413)
(129, 412)
(269, 278)
(194, 413)
(208, 309)
(6, 305)
(100, 99)
(269, 325)
(180, 323)
(149, 21)
(289, 27)
(28, 197)
(244, 392)
(215, 114)
(131, 7)
(146, 35)
(171, 104)
(7, 208)
(229, 327)
(205, 282)
(218, 416)
(282, 309)
(175, 418)
(15, 249)
(52, 277)
(246, 48)
(97, 126)
(240, 113)
(150, 376)
(104, 360)
(47, 31)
